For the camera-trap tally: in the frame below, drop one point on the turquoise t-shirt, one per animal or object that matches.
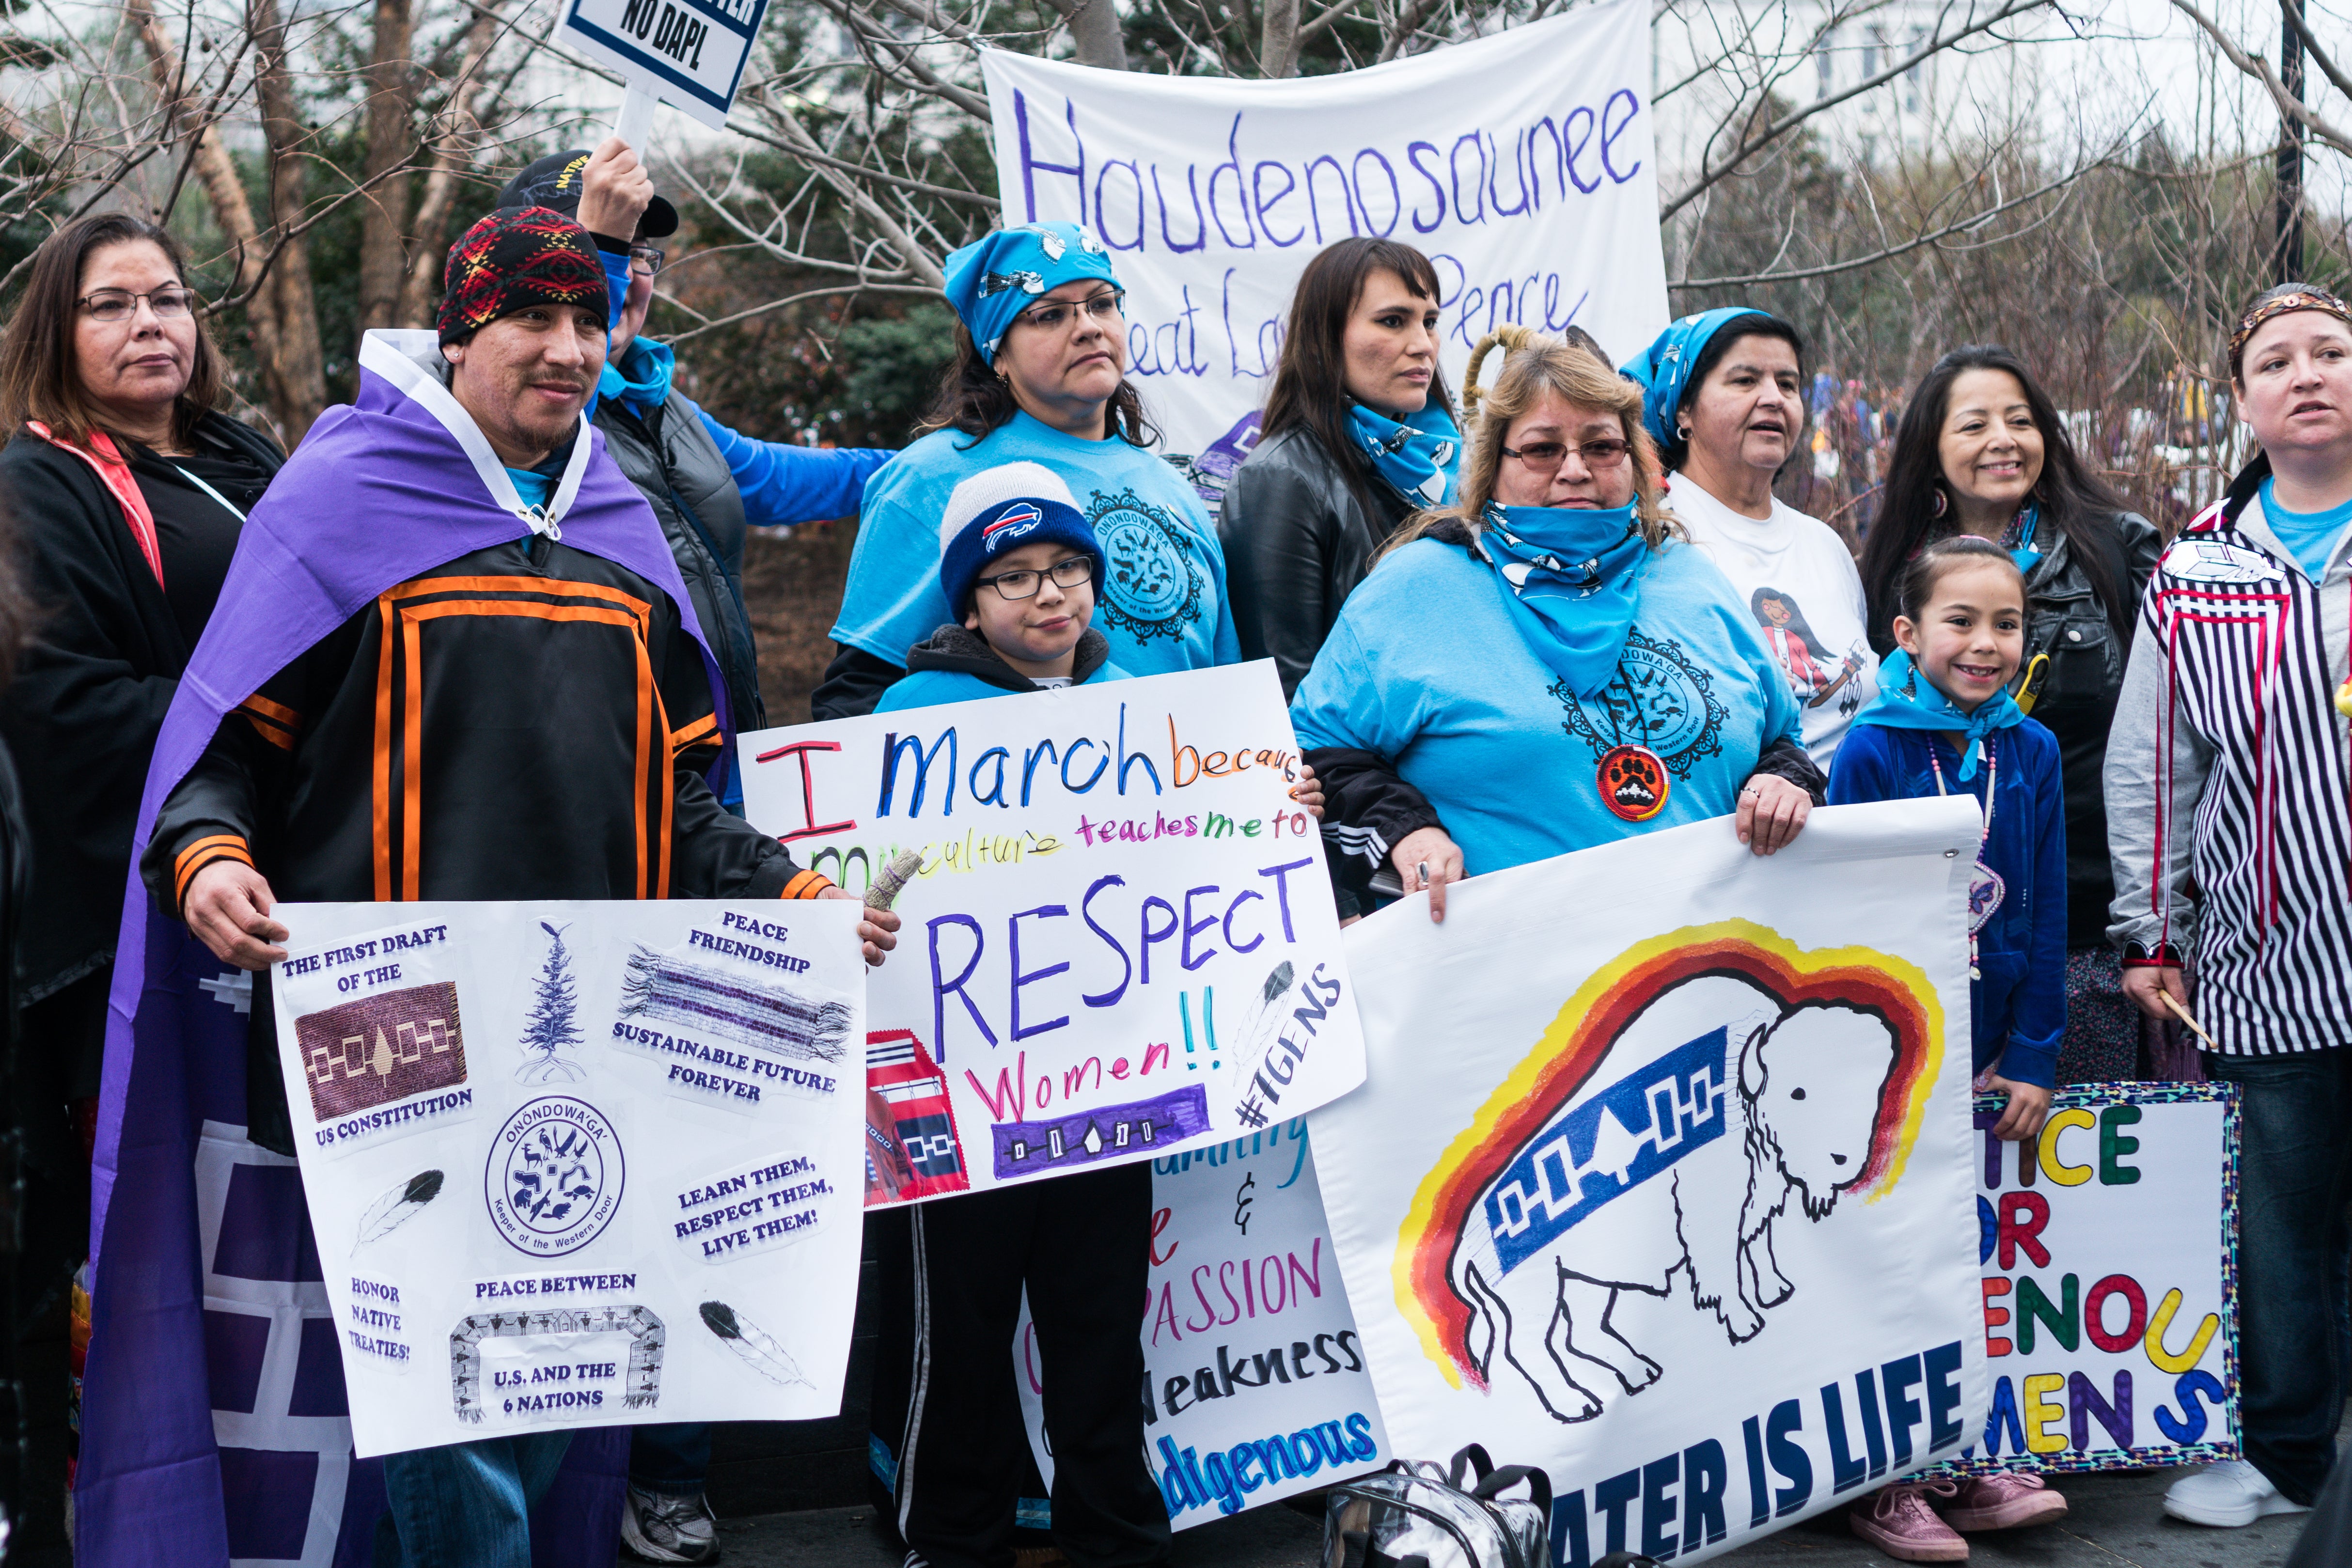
(1427, 669)
(929, 688)
(2311, 535)
(1163, 607)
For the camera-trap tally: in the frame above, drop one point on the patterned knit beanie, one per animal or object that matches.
(516, 257)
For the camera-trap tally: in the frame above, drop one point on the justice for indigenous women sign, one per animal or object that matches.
(577, 1164)
(2110, 1280)
(1680, 1204)
(1521, 164)
(1256, 1373)
(1121, 943)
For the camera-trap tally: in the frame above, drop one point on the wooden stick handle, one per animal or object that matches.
(2187, 1017)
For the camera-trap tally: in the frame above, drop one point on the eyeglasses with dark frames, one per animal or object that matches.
(1019, 586)
(1054, 314)
(170, 303)
(647, 258)
(1546, 456)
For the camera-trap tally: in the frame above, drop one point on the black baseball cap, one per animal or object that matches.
(554, 182)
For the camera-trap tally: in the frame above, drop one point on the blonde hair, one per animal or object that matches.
(1534, 365)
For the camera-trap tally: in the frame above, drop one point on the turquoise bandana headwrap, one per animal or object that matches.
(993, 279)
(1662, 369)
(1418, 458)
(1908, 700)
(1574, 581)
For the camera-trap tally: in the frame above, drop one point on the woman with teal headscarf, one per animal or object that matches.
(1546, 664)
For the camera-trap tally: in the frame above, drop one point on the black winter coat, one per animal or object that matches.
(1298, 537)
(677, 468)
(89, 695)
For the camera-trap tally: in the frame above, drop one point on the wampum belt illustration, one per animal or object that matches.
(645, 1339)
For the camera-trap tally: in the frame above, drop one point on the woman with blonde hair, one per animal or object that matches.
(1549, 636)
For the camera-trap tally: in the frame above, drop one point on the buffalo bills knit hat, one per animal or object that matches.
(515, 258)
(1002, 508)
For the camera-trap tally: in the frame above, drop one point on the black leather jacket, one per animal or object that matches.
(677, 468)
(2077, 703)
(1298, 537)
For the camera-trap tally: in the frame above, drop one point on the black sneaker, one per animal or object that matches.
(658, 1527)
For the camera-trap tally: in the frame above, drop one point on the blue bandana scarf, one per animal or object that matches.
(1909, 700)
(644, 381)
(1575, 582)
(2024, 551)
(1418, 458)
(1663, 371)
(993, 279)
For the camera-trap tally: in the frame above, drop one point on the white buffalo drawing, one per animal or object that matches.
(1713, 1108)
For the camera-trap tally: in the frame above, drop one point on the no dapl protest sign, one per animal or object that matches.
(1680, 1207)
(2108, 1246)
(577, 1164)
(688, 53)
(1520, 163)
(1122, 942)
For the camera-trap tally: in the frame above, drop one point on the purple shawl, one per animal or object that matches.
(378, 493)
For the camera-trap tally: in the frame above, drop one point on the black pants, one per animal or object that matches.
(1082, 1245)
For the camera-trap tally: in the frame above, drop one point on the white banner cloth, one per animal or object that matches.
(1122, 944)
(1663, 1181)
(577, 1164)
(1521, 164)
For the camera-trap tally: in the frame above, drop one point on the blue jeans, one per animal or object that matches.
(672, 1459)
(2294, 1172)
(468, 1505)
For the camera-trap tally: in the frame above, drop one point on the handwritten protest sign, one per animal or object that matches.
(2108, 1246)
(1122, 942)
(1258, 1385)
(577, 1164)
(1680, 1204)
(1521, 163)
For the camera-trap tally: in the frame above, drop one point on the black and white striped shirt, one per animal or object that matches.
(2229, 782)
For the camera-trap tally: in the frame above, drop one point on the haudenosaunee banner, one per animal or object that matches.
(1520, 163)
(1256, 1373)
(1663, 1181)
(1122, 944)
(578, 1165)
(2110, 1251)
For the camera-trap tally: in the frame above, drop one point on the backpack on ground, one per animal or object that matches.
(1420, 1515)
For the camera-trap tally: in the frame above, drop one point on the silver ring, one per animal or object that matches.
(1423, 869)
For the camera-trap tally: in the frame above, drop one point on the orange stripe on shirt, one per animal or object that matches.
(806, 885)
(220, 847)
(702, 729)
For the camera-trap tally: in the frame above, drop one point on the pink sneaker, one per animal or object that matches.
(2005, 1500)
(1898, 1521)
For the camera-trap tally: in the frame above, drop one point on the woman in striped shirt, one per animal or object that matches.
(2227, 822)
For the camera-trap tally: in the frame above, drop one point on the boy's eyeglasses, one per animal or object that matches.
(169, 303)
(1545, 457)
(1019, 586)
(1055, 314)
(647, 258)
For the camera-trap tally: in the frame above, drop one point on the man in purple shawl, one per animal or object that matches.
(453, 659)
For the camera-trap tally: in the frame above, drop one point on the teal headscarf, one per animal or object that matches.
(1573, 576)
(1908, 700)
(1663, 371)
(996, 278)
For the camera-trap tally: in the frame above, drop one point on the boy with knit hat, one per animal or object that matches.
(1019, 563)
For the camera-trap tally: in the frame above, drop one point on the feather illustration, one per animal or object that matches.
(398, 1206)
(1264, 1017)
(763, 1354)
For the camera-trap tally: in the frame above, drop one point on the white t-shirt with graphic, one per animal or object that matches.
(1801, 583)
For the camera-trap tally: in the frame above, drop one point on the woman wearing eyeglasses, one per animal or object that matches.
(1039, 376)
(130, 488)
(1546, 664)
(1723, 398)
